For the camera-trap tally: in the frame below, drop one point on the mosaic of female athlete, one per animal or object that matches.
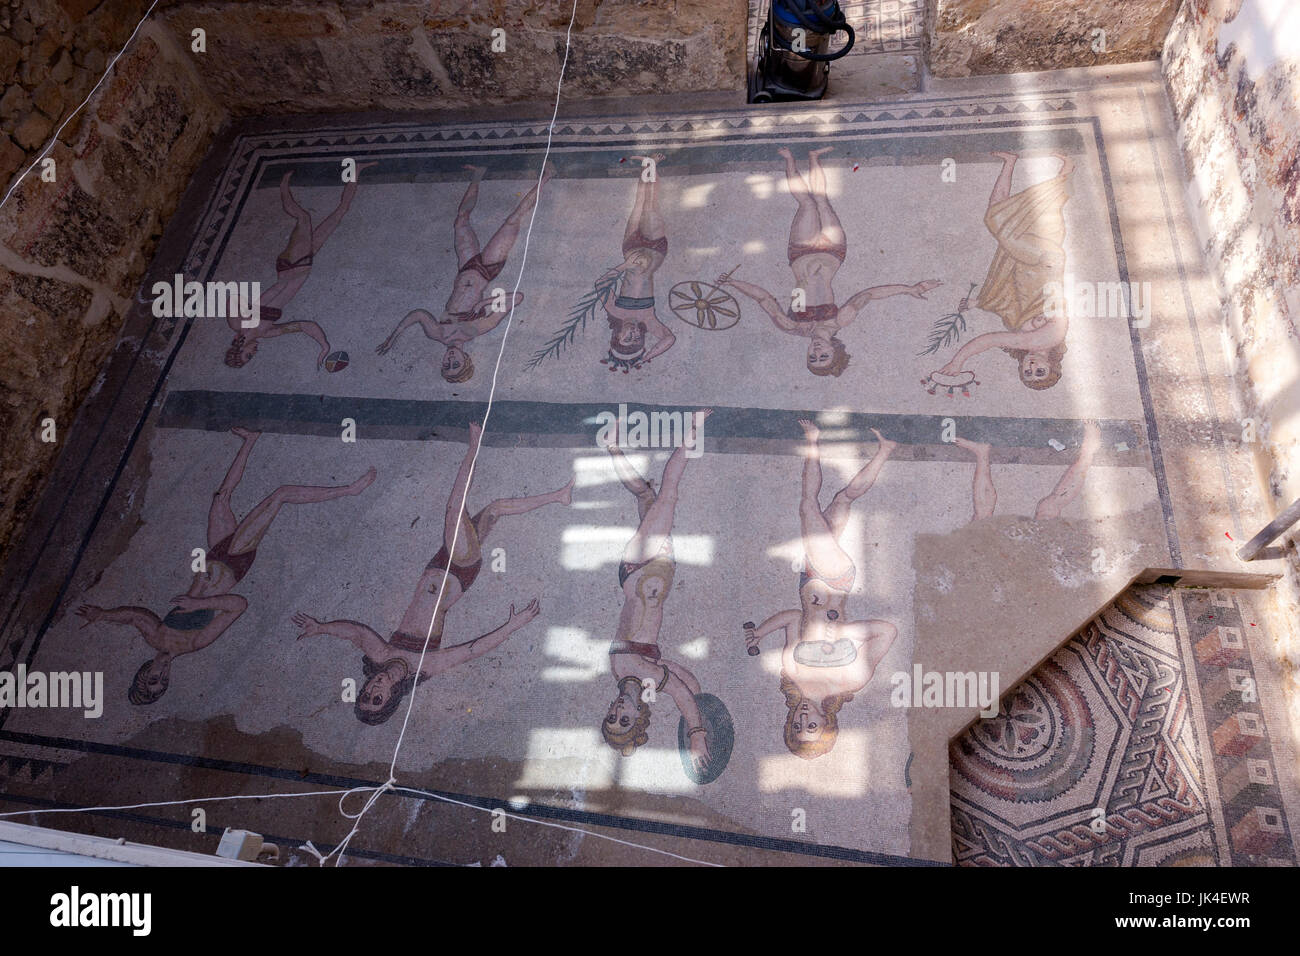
(827, 658)
(631, 313)
(292, 268)
(469, 310)
(207, 609)
(390, 667)
(645, 576)
(816, 251)
(985, 496)
(1030, 230)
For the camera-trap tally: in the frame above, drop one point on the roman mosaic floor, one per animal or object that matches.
(381, 533)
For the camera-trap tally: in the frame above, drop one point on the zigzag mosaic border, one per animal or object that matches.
(234, 179)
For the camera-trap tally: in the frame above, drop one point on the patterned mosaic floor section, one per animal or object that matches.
(1107, 757)
(281, 667)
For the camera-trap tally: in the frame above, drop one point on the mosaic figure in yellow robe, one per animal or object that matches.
(1030, 230)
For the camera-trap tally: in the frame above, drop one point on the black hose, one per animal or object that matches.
(828, 25)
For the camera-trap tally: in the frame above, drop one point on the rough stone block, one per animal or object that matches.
(384, 66)
(49, 99)
(299, 57)
(15, 102)
(76, 9)
(61, 67)
(12, 158)
(93, 60)
(252, 74)
(384, 18)
(9, 53)
(972, 37)
(33, 130)
(22, 30)
(81, 234)
(41, 328)
(531, 63)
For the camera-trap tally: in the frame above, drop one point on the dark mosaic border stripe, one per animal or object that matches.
(574, 425)
(541, 811)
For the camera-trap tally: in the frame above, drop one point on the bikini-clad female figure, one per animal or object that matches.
(816, 251)
(391, 668)
(645, 576)
(292, 268)
(208, 609)
(827, 658)
(469, 311)
(631, 314)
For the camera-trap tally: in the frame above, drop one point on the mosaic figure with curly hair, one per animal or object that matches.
(816, 250)
(645, 576)
(1030, 230)
(827, 658)
(637, 336)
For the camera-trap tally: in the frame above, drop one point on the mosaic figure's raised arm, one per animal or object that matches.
(684, 698)
(444, 659)
(764, 298)
(859, 300)
(787, 621)
(363, 638)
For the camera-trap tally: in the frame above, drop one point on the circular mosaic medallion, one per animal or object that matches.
(1037, 747)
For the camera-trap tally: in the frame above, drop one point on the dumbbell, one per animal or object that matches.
(752, 648)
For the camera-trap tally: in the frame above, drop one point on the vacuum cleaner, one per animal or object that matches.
(794, 55)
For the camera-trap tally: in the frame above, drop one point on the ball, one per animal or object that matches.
(336, 361)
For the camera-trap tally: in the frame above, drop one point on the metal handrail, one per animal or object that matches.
(1253, 548)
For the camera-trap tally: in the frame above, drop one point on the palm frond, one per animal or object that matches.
(948, 330)
(581, 313)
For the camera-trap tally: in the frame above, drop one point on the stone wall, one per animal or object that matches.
(1233, 73)
(51, 53)
(971, 37)
(73, 250)
(308, 56)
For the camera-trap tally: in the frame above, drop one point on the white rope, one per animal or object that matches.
(505, 336)
(390, 786)
(173, 803)
(559, 826)
(378, 791)
(58, 132)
